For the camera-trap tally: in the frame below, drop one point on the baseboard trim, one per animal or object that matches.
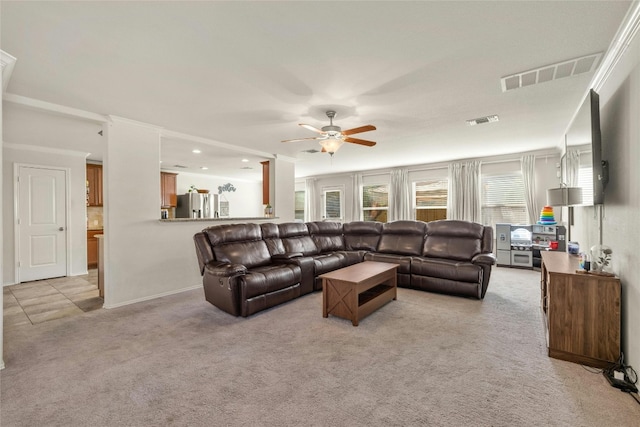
(150, 297)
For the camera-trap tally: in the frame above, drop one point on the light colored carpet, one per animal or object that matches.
(425, 359)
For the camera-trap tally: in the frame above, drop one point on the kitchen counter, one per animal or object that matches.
(243, 219)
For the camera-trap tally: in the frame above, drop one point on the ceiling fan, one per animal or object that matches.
(332, 137)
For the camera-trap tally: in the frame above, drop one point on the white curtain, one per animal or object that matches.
(573, 167)
(463, 200)
(527, 165)
(310, 202)
(399, 195)
(356, 205)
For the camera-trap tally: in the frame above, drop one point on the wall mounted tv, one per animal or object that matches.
(582, 160)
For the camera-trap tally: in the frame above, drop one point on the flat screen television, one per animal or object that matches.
(584, 138)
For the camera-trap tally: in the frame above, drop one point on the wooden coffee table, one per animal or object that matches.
(358, 290)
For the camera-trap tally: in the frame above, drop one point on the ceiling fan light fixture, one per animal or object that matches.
(331, 145)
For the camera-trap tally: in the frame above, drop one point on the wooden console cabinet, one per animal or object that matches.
(581, 312)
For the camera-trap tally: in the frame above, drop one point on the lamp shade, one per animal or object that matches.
(331, 145)
(564, 196)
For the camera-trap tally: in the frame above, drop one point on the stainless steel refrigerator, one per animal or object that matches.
(197, 205)
(503, 244)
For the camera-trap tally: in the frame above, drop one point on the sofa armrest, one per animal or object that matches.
(288, 255)
(222, 269)
(486, 258)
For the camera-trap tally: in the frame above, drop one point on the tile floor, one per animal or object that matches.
(43, 300)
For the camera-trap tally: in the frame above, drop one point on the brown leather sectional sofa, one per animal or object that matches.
(247, 268)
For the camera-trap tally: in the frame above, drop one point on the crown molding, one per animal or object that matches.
(618, 47)
(132, 122)
(185, 137)
(50, 107)
(48, 150)
(7, 61)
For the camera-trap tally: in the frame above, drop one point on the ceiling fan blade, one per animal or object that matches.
(311, 128)
(302, 139)
(360, 141)
(365, 128)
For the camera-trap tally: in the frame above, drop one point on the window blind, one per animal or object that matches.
(332, 204)
(431, 194)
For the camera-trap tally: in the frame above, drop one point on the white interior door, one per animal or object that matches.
(42, 223)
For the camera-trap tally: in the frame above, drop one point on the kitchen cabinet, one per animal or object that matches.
(92, 248)
(94, 185)
(265, 182)
(581, 312)
(168, 189)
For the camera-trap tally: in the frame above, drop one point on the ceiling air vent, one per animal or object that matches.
(483, 120)
(180, 166)
(311, 151)
(547, 73)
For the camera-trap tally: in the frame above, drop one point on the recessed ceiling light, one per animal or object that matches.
(204, 168)
(245, 160)
(196, 151)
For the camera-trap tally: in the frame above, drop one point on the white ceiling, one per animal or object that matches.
(246, 73)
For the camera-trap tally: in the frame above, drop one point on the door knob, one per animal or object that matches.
(61, 229)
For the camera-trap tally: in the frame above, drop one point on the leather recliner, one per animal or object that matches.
(241, 278)
(456, 259)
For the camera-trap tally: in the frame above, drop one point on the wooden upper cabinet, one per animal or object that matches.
(265, 182)
(94, 185)
(168, 189)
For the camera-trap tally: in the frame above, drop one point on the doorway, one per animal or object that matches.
(41, 222)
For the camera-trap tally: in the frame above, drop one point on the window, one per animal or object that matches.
(375, 202)
(585, 180)
(430, 200)
(332, 204)
(299, 205)
(503, 199)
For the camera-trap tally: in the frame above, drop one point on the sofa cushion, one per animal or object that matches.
(402, 238)
(459, 271)
(328, 262)
(295, 238)
(250, 254)
(451, 239)
(238, 244)
(326, 235)
(271, 236)
(404, 262)
(362, 235)
(219, 234)
(270, 278)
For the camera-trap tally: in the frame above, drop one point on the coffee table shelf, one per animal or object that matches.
(356, 291)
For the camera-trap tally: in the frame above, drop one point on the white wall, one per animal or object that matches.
(619, 112)
(282, 182)
(140, 258)
(77, 227)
